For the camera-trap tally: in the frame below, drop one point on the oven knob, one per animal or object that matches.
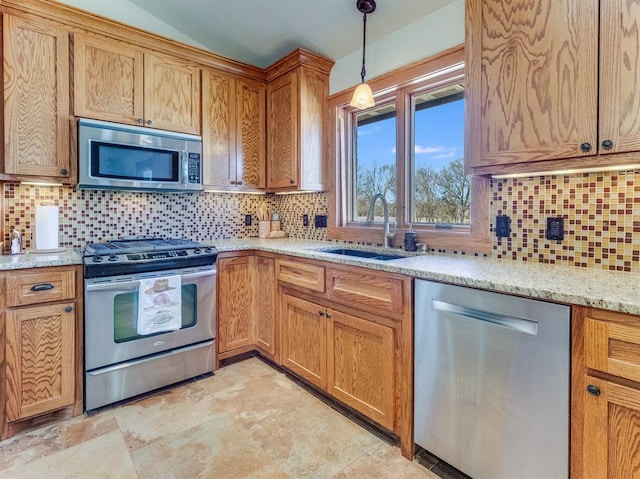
(97, 259)
(113, 257)
(196, 251)
(207, 250)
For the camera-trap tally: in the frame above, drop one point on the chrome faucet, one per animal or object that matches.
(385, 213)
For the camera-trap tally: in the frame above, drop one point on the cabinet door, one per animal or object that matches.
(531, 80)
(282, 139)
(108, 80)
(361, 366)
(251, 126)
(36, 98)
(612, 430)
(218, 130)
(39, 359)
(235, 292)
(171, 94)
(304, 339)
(314, 88)
(264, 303)
(619, 76)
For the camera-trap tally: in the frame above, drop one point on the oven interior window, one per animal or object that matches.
(125, 310)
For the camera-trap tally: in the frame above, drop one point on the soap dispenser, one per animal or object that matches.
(410, 239)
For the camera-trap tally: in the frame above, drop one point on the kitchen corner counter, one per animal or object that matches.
(68, 256)
(611, 290)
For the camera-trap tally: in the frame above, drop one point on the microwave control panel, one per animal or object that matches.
(193, 168)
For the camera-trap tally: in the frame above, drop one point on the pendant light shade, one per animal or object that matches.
(362, 96)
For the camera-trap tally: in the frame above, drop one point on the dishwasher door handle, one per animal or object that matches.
(499, 319)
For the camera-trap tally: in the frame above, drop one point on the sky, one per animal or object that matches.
(439, 138)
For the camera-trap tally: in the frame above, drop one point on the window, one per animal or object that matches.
(409, 149)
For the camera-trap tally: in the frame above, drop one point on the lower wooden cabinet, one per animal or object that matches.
(304, 339)
(265, 305)
(605, 413)
(246, 305)
(41, 339)
(612, 430)
(235, 296)
(40, 355)
(361, 365)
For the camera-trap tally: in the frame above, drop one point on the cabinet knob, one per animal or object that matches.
(63, 171)
(139, 120)
(149, 122)
(328, 315)
(585, 147)
(321, 313)
(594, 390)
(68, 309)
(291, 182)
(238, 182)
(607, 144)
(233, 182)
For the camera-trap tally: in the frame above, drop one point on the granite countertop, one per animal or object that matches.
(612, 290)
(67, 256)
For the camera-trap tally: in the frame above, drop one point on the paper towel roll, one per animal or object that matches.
(47, 219)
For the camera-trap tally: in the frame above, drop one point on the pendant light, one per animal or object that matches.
(362, 96)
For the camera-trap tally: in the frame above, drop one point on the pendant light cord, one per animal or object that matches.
(363, 72)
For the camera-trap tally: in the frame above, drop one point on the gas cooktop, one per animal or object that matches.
(125, 256)
(139, 245)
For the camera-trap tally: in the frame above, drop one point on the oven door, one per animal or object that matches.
(111, 316)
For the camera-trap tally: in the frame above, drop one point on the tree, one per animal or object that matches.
(455, 193)
(373, 180)
(426, 195)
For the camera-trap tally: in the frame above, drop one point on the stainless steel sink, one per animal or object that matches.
(363, 254)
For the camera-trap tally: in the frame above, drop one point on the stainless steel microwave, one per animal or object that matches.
(121, 157)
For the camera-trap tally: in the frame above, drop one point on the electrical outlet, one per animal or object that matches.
(247, 220)
(305, 220)
(321, 221)
(555, 229)
(503, 226)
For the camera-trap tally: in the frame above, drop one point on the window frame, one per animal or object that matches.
(400, 86)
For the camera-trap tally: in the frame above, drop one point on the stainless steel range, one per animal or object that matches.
(149, 316)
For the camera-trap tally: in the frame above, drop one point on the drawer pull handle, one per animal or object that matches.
(68, 309)
(594, 390)
(42, 287)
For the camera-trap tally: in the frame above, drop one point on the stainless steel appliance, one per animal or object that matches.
(120, 362)
(492, 382)
(115, 156)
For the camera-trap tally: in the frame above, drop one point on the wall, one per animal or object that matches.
(427, 36)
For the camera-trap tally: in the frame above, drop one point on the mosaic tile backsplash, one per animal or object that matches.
(601, 214)
(87, 216)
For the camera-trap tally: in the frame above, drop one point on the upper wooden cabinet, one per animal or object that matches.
(297, 87)
(233, 131)
(115, 81)
(36, 99)
(551, 81)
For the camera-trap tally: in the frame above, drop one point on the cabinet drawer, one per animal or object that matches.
(34, 288)
(367, 289)
(613, 347)
(306, 275)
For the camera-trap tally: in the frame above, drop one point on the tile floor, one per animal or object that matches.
(247, 421)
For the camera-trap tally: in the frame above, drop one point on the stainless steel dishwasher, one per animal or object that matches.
(492, 382)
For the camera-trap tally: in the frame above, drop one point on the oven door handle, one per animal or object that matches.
(126, 285)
